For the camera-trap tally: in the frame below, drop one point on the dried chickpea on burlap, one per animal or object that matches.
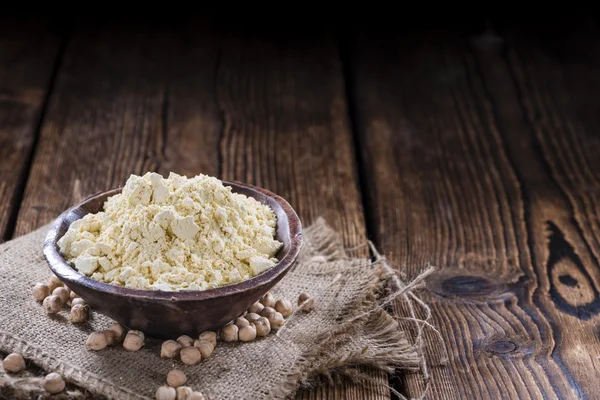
(341, 314)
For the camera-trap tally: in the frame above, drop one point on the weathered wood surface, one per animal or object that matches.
(268, 113)
(480, 156)
(26, 65)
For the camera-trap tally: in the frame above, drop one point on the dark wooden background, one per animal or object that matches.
(472, 145)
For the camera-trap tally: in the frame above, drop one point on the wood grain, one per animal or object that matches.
(270, 113)
(26, 65)
(479, 157)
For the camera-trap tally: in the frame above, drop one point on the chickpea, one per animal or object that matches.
(119, 331)
(252, 317)
(268, 300)
(13, 363)
(284, 306)
(166, 393)
(263, 327)
(208, 336)
(97, 341)
(190, 355)
(170, 349)
(185, 341)
(79, 313)
(256, 308)
(78, 301)
(229, 333)
(41, 291)
(54, 383)
(176, 378)
(247, 333)
(308, 303)
(61, 292)
(276, 320)
(54, 282)
(241, 322)
(134, 340)
(52, 304)
(206, 348)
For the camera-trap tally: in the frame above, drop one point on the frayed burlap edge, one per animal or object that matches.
(394, 351)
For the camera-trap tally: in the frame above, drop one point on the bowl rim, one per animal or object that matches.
(68, 274)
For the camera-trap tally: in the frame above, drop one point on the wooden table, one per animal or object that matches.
(474, 150)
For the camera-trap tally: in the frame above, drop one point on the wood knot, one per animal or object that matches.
(568, 280)
(499, 345)
(462, 284)
(502, 347)
(468, 286)
(571, 286)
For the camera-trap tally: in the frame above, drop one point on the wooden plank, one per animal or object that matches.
(271, 113)
(28, 50)
(555, 78)
(480, 159)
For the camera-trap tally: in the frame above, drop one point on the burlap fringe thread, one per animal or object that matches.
(393, 350)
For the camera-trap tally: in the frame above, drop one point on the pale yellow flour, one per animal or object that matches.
(174, 234)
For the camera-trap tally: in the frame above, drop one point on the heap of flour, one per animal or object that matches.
(174, 234)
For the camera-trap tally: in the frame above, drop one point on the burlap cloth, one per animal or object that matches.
(349, 328)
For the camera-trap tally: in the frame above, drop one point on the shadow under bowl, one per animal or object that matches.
(166, 314)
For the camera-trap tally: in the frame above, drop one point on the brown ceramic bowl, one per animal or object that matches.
(170, 314)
